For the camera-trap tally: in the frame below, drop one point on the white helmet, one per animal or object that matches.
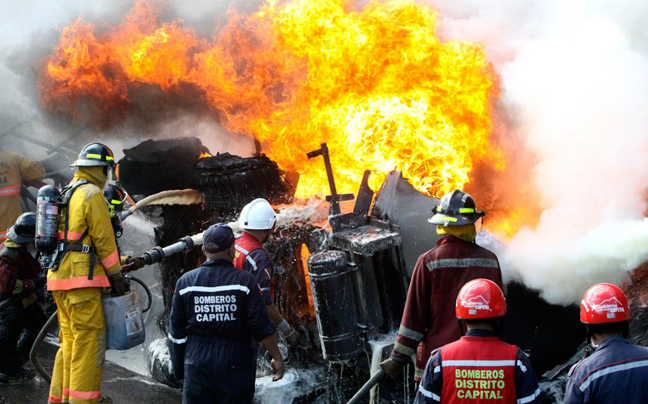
(258, 215)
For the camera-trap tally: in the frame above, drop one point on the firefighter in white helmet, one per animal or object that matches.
(258, 219)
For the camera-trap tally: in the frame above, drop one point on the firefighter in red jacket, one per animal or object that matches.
(479, 368)
(21, 317)
(428, 318)
(258, 220)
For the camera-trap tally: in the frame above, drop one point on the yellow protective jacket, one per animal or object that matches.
(14, 168)
(88, 210)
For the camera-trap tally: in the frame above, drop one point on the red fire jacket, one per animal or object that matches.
(429, 320)
(252, 257)
(479, 368)
(17, 271)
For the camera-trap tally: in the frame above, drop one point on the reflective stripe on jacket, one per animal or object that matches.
(617, 372)
(88, 211)
(252, 257)
(479, 368)
(214, 307)
(14, 168)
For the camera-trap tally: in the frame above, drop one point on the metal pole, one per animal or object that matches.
(61, 144)
(334, 198)
(46, 145)
(335, 202)
(364, 390)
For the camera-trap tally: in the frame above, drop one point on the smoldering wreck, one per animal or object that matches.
(377, 82)
(343, 265)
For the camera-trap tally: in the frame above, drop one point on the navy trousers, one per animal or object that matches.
(218, 372)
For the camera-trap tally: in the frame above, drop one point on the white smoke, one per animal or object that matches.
(574, 83)
(574, 76)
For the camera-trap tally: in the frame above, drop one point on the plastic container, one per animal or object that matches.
(124, 324)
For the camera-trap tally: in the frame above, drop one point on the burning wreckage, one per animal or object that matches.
(342, 269)
(340, 278)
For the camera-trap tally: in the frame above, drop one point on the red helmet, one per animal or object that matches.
(604, 303)
(480, 299)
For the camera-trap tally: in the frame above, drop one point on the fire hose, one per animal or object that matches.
(155, 255)
(186, 243)
(51, 324)
(38, 343)
(364, 390)
(152, 256)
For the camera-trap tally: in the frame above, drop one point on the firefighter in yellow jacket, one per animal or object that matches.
(85, 267)
(14, 169)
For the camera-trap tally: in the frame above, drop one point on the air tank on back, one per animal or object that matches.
(335, 305)
(47, 219)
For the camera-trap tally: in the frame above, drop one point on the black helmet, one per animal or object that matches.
(456, 209)
(24, 229)
(115, 197)
(95, 154)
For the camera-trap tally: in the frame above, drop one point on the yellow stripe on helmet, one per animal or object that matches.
(98, 156)
(448, 219)
(466, 210)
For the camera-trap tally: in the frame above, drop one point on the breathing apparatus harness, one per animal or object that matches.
(52, 258)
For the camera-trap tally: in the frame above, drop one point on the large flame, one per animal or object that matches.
(374, 82)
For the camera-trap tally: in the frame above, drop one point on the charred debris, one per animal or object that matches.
(341, 283)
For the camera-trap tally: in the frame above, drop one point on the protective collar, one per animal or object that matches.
(467, 232)
(94, 174)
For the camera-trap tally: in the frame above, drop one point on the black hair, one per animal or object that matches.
(622, 327)
(496, 322)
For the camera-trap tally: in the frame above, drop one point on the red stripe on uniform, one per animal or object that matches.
(110, 260)
(72, 235)
(79, 282)
(85, 395)
(6, 191)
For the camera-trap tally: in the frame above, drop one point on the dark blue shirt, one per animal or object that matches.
(617, 372)
(218, 305)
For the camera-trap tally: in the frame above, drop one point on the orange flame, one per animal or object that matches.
(203, 155)
(374, 82)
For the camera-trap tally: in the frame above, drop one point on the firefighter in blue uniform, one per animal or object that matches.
(216, 312)
(617, 372)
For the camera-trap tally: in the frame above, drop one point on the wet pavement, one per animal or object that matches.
(118, 383)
